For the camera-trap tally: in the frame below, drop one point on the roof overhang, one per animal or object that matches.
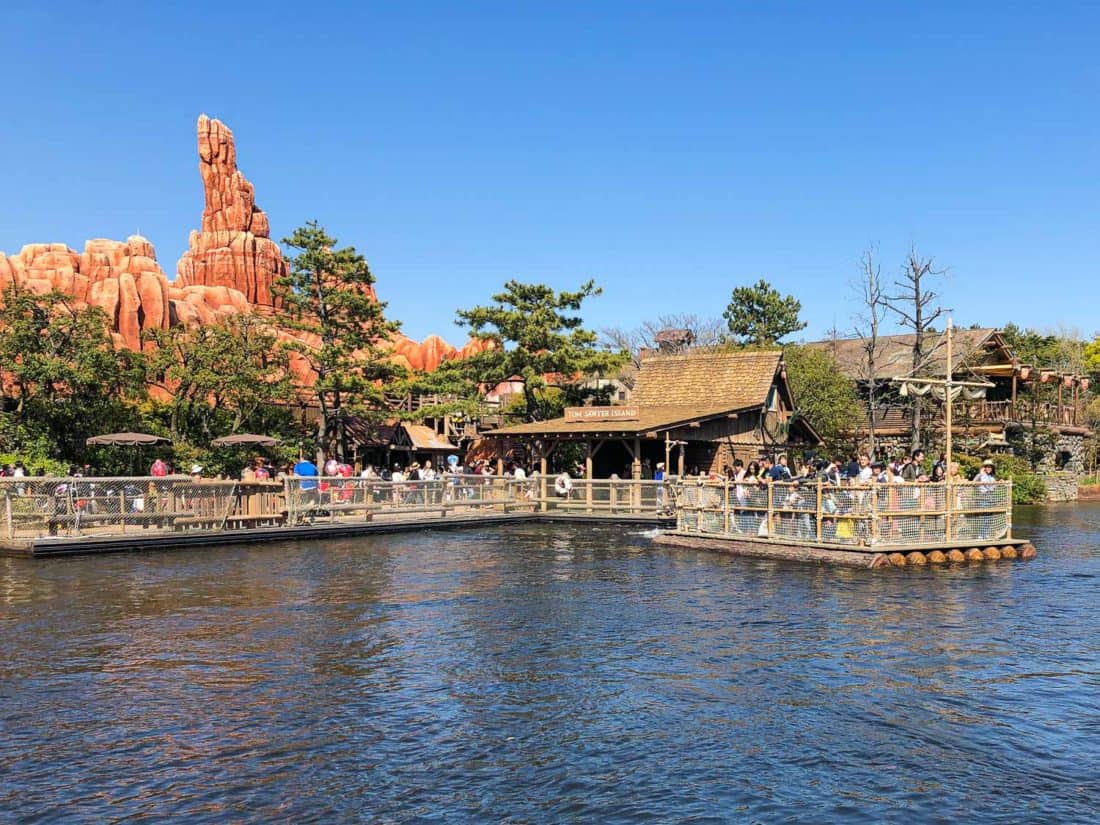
(652, 423)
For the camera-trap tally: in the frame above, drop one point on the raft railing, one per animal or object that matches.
(37, 507)
(911, 514)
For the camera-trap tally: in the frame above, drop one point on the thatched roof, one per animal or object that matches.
(895, 353)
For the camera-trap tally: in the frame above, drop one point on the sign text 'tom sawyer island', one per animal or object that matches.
(601, 413)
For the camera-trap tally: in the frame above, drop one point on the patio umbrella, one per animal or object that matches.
(127, 440)
(138, 440)
(243, 440)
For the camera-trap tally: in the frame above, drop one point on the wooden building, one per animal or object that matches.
(696, 412)
(1028, 409)
(979, 354)
(397, 442)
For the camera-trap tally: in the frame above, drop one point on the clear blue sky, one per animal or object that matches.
(671, 150)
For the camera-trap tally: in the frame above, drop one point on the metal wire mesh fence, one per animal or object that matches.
(871, 515)
(904, 514)
(39, 508)
(36, 506)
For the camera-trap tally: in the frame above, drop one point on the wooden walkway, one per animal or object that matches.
(48, 547)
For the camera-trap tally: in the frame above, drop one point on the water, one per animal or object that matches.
(545, 674)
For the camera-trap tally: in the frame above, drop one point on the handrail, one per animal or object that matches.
(39, 507)
(873, 515)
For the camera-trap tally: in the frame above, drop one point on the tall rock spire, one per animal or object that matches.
(234, 248)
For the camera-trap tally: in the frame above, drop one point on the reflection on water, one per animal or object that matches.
(541, 673)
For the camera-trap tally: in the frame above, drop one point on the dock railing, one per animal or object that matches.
(36, 507)
(910, 514)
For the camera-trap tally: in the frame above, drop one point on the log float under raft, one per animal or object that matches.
(864, 559)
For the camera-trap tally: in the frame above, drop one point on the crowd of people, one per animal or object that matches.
(852, 490)
(857, 469)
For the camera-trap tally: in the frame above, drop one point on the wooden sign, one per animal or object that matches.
(601, 413)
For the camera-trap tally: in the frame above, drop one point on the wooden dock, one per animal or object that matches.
(51, 547)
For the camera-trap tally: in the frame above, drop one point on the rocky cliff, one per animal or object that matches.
(230, 266)
(234, 247)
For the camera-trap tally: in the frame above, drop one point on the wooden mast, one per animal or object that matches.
(947, 398)
(948, 526)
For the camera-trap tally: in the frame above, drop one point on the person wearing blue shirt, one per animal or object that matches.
(304, 469)
(307, 487)
(780, 471)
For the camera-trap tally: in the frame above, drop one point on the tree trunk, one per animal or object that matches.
(340, 433)
(918, 356)
(322, 429)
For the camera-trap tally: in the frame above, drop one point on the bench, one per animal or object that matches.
(84, 519)
(236, 521)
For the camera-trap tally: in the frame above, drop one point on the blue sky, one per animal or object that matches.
(671, 151)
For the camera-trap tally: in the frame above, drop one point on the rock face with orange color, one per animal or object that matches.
(234, 247)
(229, 267)
(122, 278)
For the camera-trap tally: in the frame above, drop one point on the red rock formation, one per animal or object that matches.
(229, 267)
(122, 278)
(234, 248)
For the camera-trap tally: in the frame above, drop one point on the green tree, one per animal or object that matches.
(1092, 358)
(222, 377)
(759, 316)
(328, 296)
(65, 378)
(536, 336)
(823, 395)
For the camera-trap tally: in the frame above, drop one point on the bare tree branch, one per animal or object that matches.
(868, 287)
(917, 308)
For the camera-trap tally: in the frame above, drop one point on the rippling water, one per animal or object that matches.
(539, 674)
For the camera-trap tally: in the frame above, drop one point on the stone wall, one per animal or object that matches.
(1062, 467)
(1061, 486)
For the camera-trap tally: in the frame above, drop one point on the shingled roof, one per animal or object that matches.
(731, 380)
(895, 353)
(672, 390)
(425, 438)
(650, 419)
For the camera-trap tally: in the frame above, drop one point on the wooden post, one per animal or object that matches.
(543, 465)
(947, 399)
(636, 476)
(7, 515)
(771, 519)
(874, 510)
(588, 476)
(1008, 512)
(819, 511)
(680, 460)
(948, 509)
(726, 506)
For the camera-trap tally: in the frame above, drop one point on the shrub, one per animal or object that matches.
(1027, 487)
